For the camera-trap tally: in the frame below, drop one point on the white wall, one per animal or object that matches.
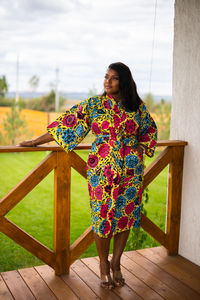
(185, 124)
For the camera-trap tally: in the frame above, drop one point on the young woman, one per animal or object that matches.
(124, 131)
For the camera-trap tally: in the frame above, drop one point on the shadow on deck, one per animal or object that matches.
(149, 273)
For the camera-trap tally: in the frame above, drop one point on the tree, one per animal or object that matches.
(3, 86)
(14, 126)
(34, 82)
(149, 101)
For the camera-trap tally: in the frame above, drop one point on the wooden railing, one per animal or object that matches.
(61, 162)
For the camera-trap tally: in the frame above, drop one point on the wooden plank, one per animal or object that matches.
(153, 230)
(55, 283)
(174, 199)
(178, 272)
(4, 291)
(149, 279)
(36, 284)
(124, 293)
(78, 164)
(81, 244)
(157, 166)
(27, 184)
(178, 260)
(26, 241)
(46, 147)
(92, 281)
(62, 194)
(17, 286)
(79, 286)
(177, 286)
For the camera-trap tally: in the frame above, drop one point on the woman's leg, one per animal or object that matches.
(103, 245)
(120, 240)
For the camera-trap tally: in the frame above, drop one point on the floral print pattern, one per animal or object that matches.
(114, 167)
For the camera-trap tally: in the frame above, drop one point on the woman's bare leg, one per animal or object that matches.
(120, 240)
(103, 245)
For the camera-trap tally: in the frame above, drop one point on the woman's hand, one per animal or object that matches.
(141, 148)
(27, 144)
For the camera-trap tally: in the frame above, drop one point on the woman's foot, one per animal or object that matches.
(106, 280)
(117, 275)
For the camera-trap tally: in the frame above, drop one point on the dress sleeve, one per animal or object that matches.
(70, 128)
(148, 131)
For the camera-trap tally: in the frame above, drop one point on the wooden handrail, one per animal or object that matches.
(3, 149)
(65, 254)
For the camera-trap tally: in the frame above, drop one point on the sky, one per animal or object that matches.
(81, 38)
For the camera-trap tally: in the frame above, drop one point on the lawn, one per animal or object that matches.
(34, 213)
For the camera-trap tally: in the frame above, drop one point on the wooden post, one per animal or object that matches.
(174, 199)
(62, 190)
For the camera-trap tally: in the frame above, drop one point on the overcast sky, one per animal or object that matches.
(81, 38)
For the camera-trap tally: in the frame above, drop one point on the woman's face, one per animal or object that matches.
(111, 82)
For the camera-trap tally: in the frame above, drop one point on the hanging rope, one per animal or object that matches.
(151, 63)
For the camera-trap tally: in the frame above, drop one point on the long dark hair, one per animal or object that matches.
(128, 91)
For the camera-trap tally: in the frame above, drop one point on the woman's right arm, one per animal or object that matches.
(45, 138)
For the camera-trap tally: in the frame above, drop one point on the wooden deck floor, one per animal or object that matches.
(149, 273)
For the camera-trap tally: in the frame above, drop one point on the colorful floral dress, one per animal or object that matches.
(114, 166)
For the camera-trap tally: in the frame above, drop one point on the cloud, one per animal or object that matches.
(82, 38)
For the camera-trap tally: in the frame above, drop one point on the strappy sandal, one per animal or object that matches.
(118, 279)
(106, 280)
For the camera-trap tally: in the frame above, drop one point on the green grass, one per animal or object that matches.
(34, 213)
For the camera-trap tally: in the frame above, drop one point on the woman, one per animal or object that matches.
(124, 132)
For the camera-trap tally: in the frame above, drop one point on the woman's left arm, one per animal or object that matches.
(148, 132)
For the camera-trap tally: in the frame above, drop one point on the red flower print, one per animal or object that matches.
(144, 138)
(104, 210)
(130, 223)
(111, 214)
(121, 190)
(130, 126)
(129, 208)
(151, 129)
(104, 150)
(116, 109)
(116, 120)
(108, 171)
(152, 144)
(98, 192)
(54, 124)
(69, 120)
(93, 160)
(122, 222)
(112, 133)
(115, 194)
(104, 125)
(106, 227)
(95, 128)
(139, 194)
(125, 150)
(106, 104)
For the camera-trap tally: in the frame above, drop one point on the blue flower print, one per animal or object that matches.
(118, 213)
(114, 224)
(68, 136)
(58, 131)
(136, 223)
(102, 226)
(80, 130)
(130, 193)
(93, 148)
(131, 161)
(139, 169)
(94, 179)
(136, 212)
(121, 202)
(137, 201)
